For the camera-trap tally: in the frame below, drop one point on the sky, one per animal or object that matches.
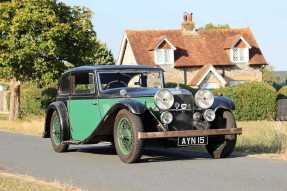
(267, 19)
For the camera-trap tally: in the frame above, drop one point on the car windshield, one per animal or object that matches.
(145, 79)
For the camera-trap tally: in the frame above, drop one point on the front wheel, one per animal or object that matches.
(222, 146)
(126, 129)
(56, 134)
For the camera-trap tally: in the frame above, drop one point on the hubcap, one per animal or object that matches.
(56, 129)
(125, 136)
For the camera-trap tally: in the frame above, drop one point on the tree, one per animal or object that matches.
(268, 75)
(39, 37)
(211, 26)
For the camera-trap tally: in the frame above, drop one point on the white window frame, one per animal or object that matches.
(168, 56)
(210, 86)
(243, 55)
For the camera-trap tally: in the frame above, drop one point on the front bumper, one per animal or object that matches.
(186, 133)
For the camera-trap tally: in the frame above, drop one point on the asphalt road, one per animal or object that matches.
(97, 168)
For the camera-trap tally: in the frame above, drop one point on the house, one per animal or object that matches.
(197, 57)
(3, 97)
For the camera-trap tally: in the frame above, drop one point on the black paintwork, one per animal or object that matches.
(182, 118)
(223, 102)
(61, 109)
(114, 68)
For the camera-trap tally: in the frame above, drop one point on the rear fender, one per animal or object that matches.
(61, 109)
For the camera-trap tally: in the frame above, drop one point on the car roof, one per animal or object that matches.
(99, 67)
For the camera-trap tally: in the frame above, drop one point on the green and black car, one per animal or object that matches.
(129, 106)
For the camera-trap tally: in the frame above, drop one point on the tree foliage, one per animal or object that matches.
(268, 75)
(211, 26)
(39, 39)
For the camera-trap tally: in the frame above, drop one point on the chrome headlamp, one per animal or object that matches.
(204, 99)
(164, 99)
(166, 117)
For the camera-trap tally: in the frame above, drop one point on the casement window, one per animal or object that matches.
(164, 56)
(210, 86)
(83, 83)
(239, 55)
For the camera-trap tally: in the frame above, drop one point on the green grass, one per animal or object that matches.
(263, 137)
(10, 182)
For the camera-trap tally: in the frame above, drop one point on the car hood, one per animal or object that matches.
(140, 92)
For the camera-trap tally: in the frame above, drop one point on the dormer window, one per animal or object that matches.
(164, 56)
(239, 49)
(164, 52)
(240, 55)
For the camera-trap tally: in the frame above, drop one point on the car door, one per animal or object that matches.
(84, 114)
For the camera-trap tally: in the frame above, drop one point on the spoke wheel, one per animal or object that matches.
(127, 144)
(125, 136)
(56, 128)
(56, 134)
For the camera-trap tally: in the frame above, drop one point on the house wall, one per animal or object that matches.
(3, 99)
(239, 72)
(128, 57)
(176, 75)
(242, 72)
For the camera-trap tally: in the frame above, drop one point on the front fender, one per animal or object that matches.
(223, 102)
(133, 106)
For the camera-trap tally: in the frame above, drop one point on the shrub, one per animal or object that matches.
(183, 86)
(34, 100)
(253, 101)
(282, 93)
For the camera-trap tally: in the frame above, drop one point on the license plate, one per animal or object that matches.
(188, 141)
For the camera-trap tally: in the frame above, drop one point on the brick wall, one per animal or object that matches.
(239, 72)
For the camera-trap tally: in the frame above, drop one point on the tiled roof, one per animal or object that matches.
(193, 48)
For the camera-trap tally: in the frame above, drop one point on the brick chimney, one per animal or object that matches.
(187, 24)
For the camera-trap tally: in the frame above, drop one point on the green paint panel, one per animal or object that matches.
(85, 115)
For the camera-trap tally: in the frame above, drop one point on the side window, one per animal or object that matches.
(83, 83)
(64, 86)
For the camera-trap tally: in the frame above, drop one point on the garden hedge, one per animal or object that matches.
(34, 100)
(253, 101)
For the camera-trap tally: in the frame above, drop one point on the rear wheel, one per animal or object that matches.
(56, 134)
(126, 128)
(222, 146)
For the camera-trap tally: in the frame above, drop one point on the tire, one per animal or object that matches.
(56, 133)
(222, 146)
(126, 128)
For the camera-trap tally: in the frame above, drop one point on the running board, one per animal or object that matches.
(170, 134)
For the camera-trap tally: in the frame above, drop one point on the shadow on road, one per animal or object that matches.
(155, 154)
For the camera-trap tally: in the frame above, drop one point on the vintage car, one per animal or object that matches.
(129, 106)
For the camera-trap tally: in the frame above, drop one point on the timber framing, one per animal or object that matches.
(171, 134)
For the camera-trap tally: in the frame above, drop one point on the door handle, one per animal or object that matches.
(95, 104)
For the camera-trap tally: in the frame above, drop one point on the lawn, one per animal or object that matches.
(32, 126)
(263, 137)
(9, 182)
